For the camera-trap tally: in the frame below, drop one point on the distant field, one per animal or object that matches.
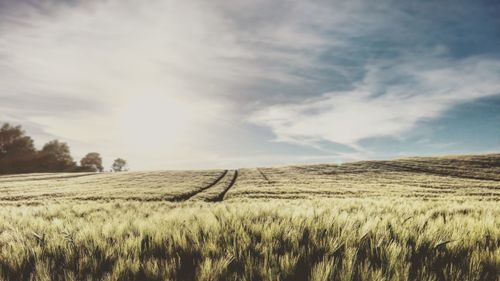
(409, 219)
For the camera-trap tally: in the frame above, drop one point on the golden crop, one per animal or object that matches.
(411, 219)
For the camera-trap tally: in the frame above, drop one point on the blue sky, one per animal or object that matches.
(212, 84)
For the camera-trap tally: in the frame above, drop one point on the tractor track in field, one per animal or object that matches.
(189, 195)
(220, 197)
(264, 176)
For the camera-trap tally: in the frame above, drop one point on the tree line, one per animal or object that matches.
(19, 155)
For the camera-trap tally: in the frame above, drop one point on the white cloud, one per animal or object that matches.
(159, 77)
(158, 82)
(425, 88)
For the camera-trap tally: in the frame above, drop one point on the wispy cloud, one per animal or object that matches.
(164, 82)
(115, 75)
(392, 99)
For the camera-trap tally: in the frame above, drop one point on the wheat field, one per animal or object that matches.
(408, 219)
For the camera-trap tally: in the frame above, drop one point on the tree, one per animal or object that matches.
(56, 157)
(92, 161)
(119, 165)
(13, 141)
(17, 151)
(18, 155)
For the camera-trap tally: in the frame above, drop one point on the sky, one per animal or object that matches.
(171, 84)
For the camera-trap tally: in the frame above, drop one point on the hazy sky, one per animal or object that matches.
(212, 84)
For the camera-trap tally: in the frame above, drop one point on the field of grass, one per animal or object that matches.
(409, 219)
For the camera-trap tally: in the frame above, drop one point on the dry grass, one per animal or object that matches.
(360, 221)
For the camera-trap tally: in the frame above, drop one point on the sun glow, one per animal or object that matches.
(154, 121)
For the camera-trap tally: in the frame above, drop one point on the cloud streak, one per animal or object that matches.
(164, 82)
(421, 90)
(156, 77)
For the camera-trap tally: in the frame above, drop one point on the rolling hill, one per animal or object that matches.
(434, 218)
(440, 178)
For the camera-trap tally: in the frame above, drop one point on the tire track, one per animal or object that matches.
(220, 197)
(264, 176)
(188, 195)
